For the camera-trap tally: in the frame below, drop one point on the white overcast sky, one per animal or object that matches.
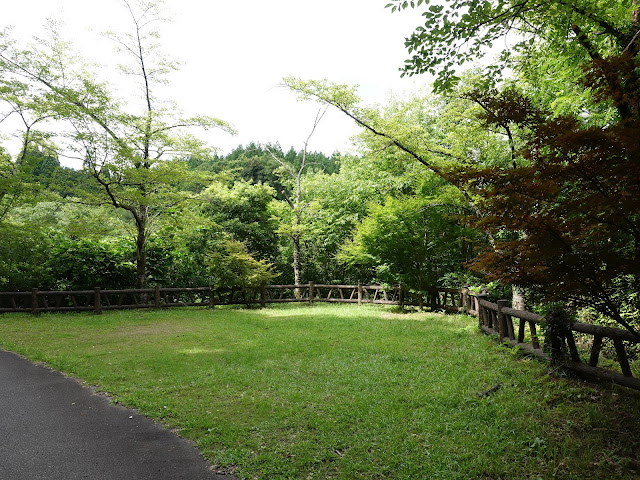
(235, 54)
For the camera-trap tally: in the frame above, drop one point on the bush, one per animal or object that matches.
(24, 258)
(85, 264)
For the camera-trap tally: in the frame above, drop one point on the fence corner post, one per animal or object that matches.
(501, 320)
(97, 300)
(34, 301)
(359, 294)
(263, 296)
(156, 297)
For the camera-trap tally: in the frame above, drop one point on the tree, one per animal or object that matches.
(11, 188)
(132, 155)
(31, 110)
(381, 171)
(572, 33)
(571, 195)
(340, 201)
(293, 173)
(244, 211)
(251, 163)
(436, 132)
(195, 251)
(460, 31)
(232, 265)
(577, 199)
(412, 239)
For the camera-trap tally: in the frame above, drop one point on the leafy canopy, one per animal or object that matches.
(460, 31)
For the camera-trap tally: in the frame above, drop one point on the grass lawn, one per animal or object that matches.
(340, 391)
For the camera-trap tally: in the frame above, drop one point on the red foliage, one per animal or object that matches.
(574, 206)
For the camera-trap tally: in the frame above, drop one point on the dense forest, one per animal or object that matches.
(361, 219)
(521, 175)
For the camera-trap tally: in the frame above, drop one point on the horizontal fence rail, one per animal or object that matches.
(517, 328)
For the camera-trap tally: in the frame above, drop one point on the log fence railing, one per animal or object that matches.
(520, 329)
(98, 300)
(517, 328)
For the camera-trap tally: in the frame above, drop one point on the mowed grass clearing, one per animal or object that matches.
(340, 391)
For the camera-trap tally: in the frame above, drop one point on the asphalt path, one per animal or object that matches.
(53, 428)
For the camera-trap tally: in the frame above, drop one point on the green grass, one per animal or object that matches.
(339, 391)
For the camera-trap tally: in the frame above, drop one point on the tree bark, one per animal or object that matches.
(518, 300)
(295, 239)
(141, 252)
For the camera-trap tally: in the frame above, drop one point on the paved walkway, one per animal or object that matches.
(53, 428)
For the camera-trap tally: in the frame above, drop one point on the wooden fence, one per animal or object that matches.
(98, 300)
(494, 318)
(498, 319)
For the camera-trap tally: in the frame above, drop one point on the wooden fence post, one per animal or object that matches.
(156, 297)
(464, 308)
(401, 296)
(482, 317)
(359, 294)
(34, 301)
(311, 292)
(622, 358)
(97, 300)
(263, 296)
(502, 323)
(555, 334)
(595, 350)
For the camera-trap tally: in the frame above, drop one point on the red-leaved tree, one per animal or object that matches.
(573, 206)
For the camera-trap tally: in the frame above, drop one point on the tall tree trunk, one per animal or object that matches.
(141, 253)
(296, 263)
(297, 269)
